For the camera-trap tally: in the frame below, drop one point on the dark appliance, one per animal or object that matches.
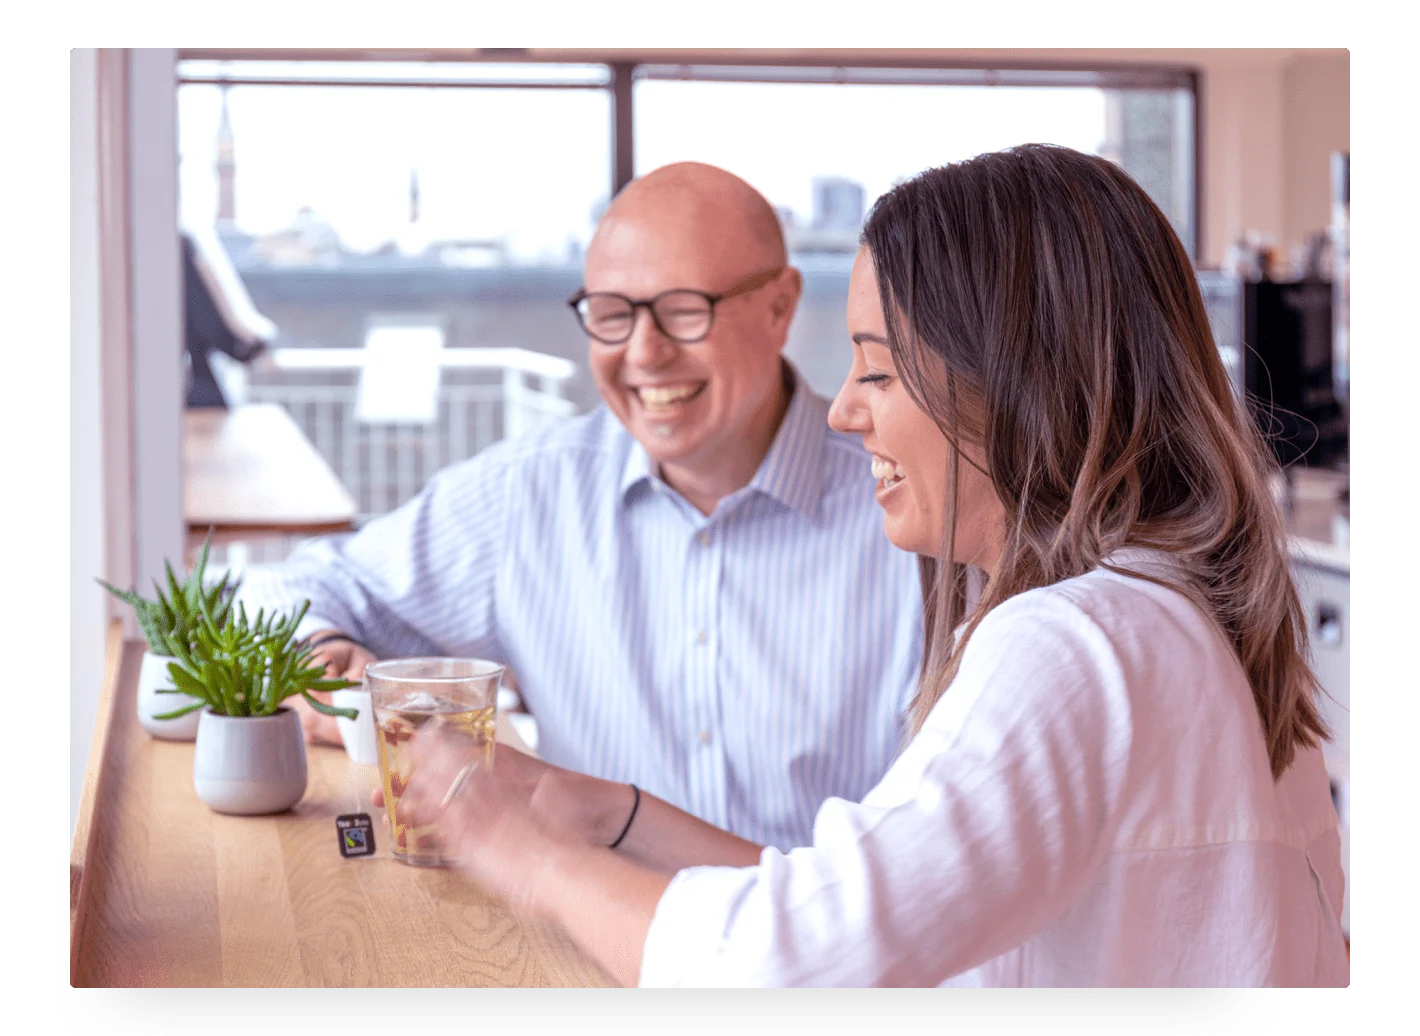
(1288, 370)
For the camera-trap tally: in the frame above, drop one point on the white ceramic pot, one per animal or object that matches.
(152, 675)
(250, 765)
(358, 734)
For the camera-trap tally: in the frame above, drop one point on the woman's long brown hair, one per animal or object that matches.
(1040, 307)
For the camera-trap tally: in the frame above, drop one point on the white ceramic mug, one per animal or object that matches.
(358, 734)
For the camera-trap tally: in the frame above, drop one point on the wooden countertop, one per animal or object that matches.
(165, 892)
(1318, 522)
(252, 470)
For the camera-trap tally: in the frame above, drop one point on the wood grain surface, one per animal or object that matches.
(251, 469)
(170, 893)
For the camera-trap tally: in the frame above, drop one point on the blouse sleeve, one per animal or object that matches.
(990, 824)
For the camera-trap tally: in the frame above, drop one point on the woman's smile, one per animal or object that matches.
(890, 479)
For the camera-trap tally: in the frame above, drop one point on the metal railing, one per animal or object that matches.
(383, 464)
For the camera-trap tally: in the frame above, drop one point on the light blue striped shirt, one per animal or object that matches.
(744, 666)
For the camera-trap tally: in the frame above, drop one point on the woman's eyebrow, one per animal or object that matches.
(865, 336)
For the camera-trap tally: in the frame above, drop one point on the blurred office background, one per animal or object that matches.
(304, 281)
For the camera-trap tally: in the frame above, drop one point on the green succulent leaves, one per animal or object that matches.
(235, 665)
(172, 618)
(248, 667)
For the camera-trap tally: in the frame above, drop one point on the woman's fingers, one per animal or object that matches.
(436, 760)
(486, 824)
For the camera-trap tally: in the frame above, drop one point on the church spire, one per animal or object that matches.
(226, 168)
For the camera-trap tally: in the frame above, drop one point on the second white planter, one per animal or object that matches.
(152, 675)
(250, 765)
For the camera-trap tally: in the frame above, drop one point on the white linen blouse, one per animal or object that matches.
(1090, 804)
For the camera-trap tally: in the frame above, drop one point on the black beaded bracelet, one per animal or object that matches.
(635, 805)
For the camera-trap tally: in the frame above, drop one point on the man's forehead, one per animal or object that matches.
(648, 255)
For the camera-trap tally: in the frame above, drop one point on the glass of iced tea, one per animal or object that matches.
(413, 694)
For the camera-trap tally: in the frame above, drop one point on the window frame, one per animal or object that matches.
(625, 68)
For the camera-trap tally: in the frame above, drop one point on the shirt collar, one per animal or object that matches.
(639, 468)
(791, 472)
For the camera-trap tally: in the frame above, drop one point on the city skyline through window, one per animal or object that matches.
(526, 172)
(403, 167)
(780, 137)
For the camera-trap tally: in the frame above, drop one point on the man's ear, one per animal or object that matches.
(787, 297)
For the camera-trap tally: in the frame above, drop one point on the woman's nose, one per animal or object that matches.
(847, 413)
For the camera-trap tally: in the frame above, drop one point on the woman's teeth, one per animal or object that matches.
(663, 398)
(887, 472)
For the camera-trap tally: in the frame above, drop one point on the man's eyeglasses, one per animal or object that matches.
(682, 314)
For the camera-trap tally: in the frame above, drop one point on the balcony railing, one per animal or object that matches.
(479, 397)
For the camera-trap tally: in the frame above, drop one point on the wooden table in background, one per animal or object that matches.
(165, 892)
(251, 472)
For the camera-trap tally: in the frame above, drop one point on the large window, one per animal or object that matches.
(394, 223)
(443, 208)
(823, 144)
(481, 160)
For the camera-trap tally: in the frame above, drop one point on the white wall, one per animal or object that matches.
(155, 286)
(126, 352)
(1316, 98)
(1270, 122)
(87, 607)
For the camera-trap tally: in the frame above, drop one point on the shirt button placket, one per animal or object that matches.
(702, 677)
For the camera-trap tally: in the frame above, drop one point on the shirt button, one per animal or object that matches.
(704, 538)
(705, 737)
(700, 637)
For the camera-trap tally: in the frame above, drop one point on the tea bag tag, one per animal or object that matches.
(356, 834)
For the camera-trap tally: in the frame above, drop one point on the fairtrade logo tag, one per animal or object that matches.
(356, 834)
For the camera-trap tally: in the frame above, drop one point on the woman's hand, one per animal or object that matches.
(342, 660)
(555, 870)
(488, 826)
(572, 806)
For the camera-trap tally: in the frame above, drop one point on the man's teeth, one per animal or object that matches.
(664, 397)
(887, 472)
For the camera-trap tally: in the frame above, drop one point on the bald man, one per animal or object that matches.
(691, 582)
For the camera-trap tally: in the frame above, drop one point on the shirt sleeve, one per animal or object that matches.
(988, 826)
(419, 580)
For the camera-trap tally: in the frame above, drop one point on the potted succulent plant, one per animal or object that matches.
(250, 756)
(167, 621)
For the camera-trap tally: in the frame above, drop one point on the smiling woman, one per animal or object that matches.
(1074, 355)
(1124, 786)
(907, 445)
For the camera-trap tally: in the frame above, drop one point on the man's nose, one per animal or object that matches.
(647, 346)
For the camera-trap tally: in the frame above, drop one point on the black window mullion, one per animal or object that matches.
(623, 143)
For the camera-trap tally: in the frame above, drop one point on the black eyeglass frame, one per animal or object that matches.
(746, 286)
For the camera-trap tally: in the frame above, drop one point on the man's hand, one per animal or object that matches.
(342, 660)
